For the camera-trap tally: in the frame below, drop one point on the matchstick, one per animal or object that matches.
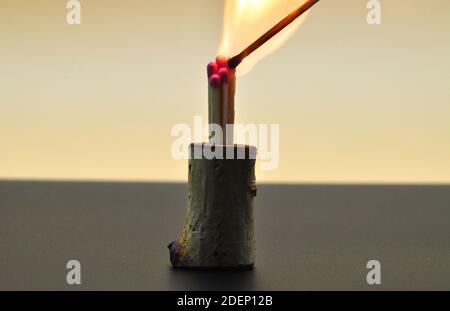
(231, 95)
(223, 73)
(215, 111)
(212, 69)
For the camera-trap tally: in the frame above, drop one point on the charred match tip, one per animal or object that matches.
(222, 61)
(234, 62)
(212, 69)
(223, 73)
(214, 81)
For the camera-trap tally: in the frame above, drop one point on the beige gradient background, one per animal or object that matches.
(356, 103)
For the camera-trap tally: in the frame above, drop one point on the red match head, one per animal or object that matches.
(223, 74)
(222, 61)
(214, 81)
(212, 69)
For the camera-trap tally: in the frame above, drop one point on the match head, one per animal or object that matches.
(222, 61)
(223, 74)
(212, 69)
(214, 81)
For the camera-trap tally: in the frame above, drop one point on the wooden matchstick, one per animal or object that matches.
(215, 111)
(212, 69)
(223, 73)
(231, 96)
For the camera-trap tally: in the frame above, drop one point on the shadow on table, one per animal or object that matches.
(211, 280)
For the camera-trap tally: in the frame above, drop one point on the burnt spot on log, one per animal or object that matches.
(174, 250)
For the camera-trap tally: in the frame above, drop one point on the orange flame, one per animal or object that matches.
(246, 20)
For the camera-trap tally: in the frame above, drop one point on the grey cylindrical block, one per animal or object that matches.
(219, 228)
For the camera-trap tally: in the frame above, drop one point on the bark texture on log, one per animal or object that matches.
(219, 228)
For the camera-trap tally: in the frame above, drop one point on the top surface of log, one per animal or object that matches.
(250, 152)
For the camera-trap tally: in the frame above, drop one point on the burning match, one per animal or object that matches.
(236, 60)
(219, 229)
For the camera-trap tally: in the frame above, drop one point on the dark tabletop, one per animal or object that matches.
(308, 237)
